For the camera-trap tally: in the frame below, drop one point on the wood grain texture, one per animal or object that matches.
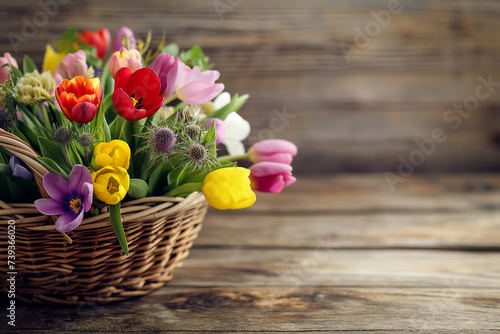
(357, 116)
(282, 310)
(424, 259)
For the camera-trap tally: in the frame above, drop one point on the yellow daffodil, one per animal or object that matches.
(111, 184)
(228, 188)
(115, 153)
(52, 59)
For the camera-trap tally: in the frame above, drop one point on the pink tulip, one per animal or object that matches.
(167, 68)
(124, 32)
(72, 65)
(4, 71)
(125, 58)
(197, 87)
(271, 177)
(220, 129)
(274, 150)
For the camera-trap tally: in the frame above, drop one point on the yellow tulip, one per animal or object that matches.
(111, 184)
(228, 188)
(52, 59)
(115, 153)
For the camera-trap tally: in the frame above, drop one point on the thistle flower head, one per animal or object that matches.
(198, 153)
(86, 140)
(35, 88)
(193, 131)
(164, 139)
(197, 156)
(159, 144)
(62, 136)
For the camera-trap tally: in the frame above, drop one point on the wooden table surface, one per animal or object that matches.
(330, 254)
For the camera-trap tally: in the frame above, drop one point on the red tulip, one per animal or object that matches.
(271, 177)
(100, 39)
(79, 98)
(137, 95)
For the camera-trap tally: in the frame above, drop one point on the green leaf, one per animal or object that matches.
(3, 158)
(100, 122)
(29, 134)
(211, 135)
(185, 189)
(198, 57)
(68, 40)
(175, 177)
(171, 49)
(18, 133)
(107, 82)
(53, 151)
(17, 73)
(5, 195)
(158, 176)
(91, 53)
(52, 166)
(5, 169)
(138, 188)
(59, 117)
(116, 221)
(236, 103)
(28, 65)
(75, 153)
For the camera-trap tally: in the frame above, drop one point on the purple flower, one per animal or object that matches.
(19, 168)
(69, 198)
(121, 33)
(167, 68)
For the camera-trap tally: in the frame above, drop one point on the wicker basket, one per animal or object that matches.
(88, 265)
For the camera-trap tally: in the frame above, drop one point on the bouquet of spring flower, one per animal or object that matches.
(143, 123)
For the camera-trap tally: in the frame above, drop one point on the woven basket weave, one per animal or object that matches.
(88, 265)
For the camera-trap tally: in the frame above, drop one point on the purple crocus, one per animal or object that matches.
(19, 168)
(69, 198)
(167, 68)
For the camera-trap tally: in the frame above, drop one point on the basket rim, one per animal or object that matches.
(147, 208)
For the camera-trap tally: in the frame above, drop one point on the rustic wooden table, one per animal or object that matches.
(330, 254)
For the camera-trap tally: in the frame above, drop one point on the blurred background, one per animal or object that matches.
(353, 83)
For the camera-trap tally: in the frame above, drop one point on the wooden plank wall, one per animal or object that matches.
(345, 116)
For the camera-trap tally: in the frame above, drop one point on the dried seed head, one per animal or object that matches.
(193, 131)
(198, 153)
(86, 139)
(62, 136)
(5, 120)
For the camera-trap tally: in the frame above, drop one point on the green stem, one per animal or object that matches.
(180, 105)
(119, 129)
(45, 116)
(66, 155)
(233, 157)
(116, 221)
(86, 152)
(185, 188)
(170, 99)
